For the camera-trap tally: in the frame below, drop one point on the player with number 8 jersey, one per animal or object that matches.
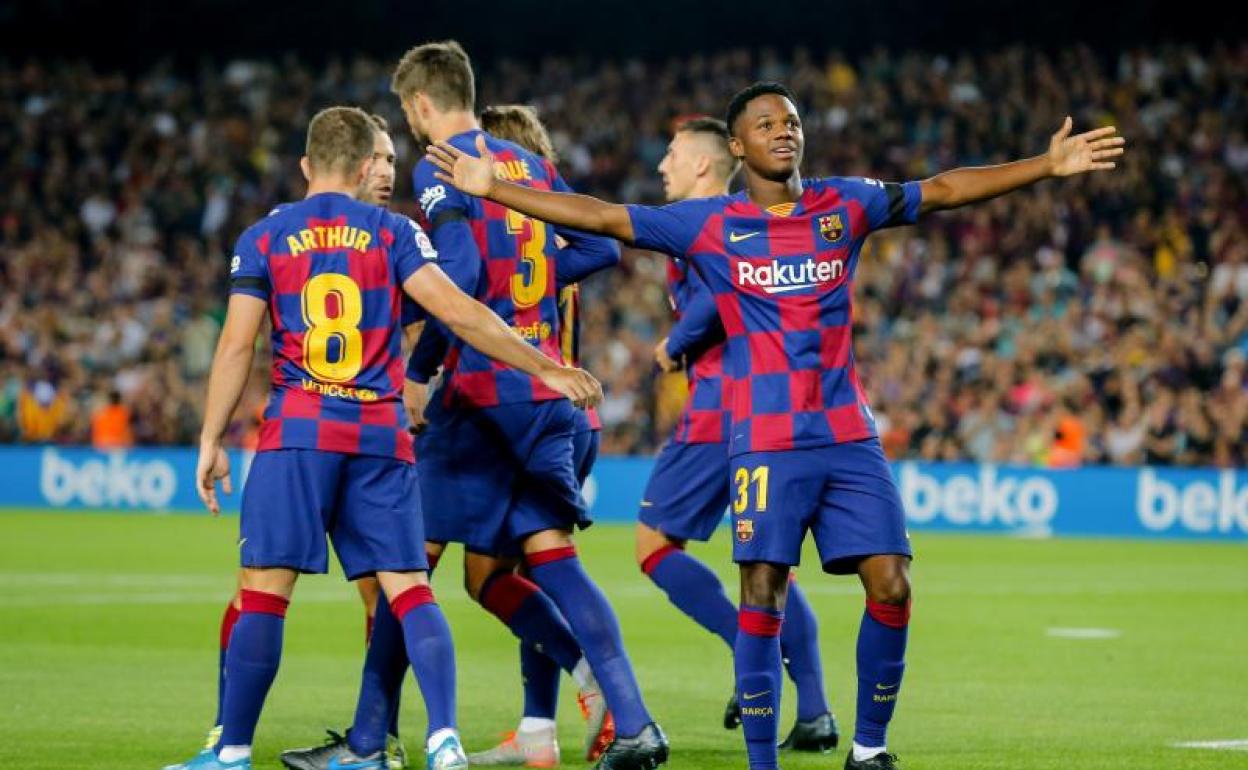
(338, 370)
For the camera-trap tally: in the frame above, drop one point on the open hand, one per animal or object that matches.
(1090, 151)
(474, 176)
(213, 464)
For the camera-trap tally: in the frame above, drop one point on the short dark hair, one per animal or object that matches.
(441, 70)
(749, 94)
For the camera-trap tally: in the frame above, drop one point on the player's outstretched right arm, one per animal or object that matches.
(478, 326)
(475, 176)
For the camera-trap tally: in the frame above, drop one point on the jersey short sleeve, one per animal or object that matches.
(412, 249)
(887, 204)
(249, 269)
(671, 229)
(439, 202)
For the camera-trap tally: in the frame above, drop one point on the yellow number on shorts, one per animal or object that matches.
(759, 477)
(345, 327)
(742, 479)
(527, 292)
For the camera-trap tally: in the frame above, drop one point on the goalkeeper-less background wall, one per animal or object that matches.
(1133, 502)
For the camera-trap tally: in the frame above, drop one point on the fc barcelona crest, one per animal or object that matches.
(745, 530)
(832, 227)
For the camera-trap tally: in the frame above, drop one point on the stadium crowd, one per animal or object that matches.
(1101, 320)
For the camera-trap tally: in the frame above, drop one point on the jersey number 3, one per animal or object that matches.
(336, 294)
(528, 290)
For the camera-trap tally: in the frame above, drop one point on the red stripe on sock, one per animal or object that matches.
(891, 615)
(227, 623)
(368, 630)
(503, 594)
(757, 623)
(410, 599)
(651, 562)
(538, 558)
(264, 603)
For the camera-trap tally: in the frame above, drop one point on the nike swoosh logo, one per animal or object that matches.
(886, 687)
(241, 542)
(752, 696)
(738, 237)
(646, 503)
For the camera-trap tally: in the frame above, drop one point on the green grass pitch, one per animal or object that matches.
(108, 628)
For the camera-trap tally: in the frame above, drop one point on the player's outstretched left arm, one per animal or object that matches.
(475, 176)
(479, 327)
(231, 365)
(1068, 155)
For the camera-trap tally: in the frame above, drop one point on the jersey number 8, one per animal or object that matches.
(343, 326)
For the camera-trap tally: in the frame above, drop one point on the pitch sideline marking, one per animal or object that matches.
(1084, 633)
(1236, 745)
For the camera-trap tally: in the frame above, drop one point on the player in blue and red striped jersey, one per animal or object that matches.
(376, 190)
(688, 492)
(510, 596)
(508, 434)
(779, 258)
(334, 455)
(534, 741)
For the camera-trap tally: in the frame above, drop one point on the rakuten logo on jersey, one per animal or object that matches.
(778, 277)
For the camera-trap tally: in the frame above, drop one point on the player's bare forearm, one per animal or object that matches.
(479, 327)
(476, 176)
(583, 212)
(473, 322)
(964, 186)
(231, 366)
(1091, 151)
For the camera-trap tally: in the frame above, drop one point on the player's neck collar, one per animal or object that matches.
(782, 209)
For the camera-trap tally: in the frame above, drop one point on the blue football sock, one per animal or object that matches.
(540, 675)
(394, 714)
(756, 655)
(593, 621)
(431, 653)
(799, 643)
(385, 665)
(228, 619)
(531, 616)
(251, 662)
(694, 589)
(881, 663)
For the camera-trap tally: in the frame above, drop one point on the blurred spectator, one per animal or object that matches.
(1101, 319)
(41, 412)
(110, 424)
